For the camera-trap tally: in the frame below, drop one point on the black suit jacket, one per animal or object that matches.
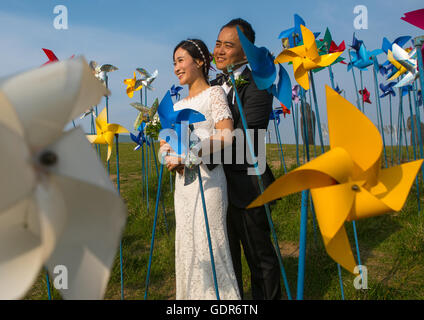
(257, 106)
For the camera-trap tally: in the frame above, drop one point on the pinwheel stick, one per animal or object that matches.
(152, 243)
(147, 177)
(314, 94)
(49, 294)
(379, 107)
(418, 124)
(354, 82)
(413, 142)
(391, 126)
(302, 245)
(215, 281)
(362, 89)
(277, 135)
(118, 182)
(295, 117)
(152, 143)
(400, 124)
(260, 182)
(303, 212)
(418, 42)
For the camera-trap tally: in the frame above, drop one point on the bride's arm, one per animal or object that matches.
(223, 133)
(221, 139)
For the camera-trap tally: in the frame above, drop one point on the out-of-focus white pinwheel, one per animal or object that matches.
(147, 78)
(57, 204)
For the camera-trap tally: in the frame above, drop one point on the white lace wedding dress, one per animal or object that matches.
(194, 277)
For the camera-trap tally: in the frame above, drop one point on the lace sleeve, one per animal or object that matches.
(219, 104)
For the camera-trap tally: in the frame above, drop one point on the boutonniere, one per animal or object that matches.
(240, 81)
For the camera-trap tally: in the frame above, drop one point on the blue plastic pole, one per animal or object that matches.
(303, 212)
(302, 245)
(143, 172)
(147, 177)
(362, 88)
(379, 107)
(215, 281)
(354, 82)
(118, 182)
(152, 142)
(400, 116)
(313, 133)
(152, 243)
(277, 133)
(49, 294)
(314, 94)
(260, 183)
(391, 126)
(413, 142)
(294, 116)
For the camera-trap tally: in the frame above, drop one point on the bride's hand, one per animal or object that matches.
(180, 169)
(173, 162)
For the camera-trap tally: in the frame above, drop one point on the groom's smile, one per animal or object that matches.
(228, 49)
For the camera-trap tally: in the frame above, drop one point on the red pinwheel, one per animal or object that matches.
(365, 95)
(285, 109)
(415, 18)
(337, 48)
(51, 56)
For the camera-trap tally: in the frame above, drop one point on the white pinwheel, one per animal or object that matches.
(408, 61)
(57, 204)
(101, 71)
(147, 78)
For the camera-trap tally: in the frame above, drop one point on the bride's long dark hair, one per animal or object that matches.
(197, 49)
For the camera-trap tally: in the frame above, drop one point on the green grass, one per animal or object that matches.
(391, 246)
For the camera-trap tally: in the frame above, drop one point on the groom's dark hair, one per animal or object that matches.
(245, 26)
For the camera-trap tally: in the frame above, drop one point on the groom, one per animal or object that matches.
(248, 227)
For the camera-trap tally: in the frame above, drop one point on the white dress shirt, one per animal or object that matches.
(237, 73)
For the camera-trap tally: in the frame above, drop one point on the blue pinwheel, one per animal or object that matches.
(387, 89)
(264, 72)
(338, 90)
(275, 115)
(356, 44)
(386, 68)
(140, 138)
(363, 58)
(400, 41)
(175, 91)
(178, 121)
(294, 34)
(406, 89)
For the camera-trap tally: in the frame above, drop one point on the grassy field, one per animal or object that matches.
(391, 246)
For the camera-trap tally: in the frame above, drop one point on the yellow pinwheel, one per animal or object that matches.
(105, 132)
(306, 57)
(132, 85)
(346, 182)
(400, 68)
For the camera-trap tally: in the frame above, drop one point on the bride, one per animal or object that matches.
(194, 277)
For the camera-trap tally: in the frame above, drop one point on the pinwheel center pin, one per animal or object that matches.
(355, 187)
(48, 158)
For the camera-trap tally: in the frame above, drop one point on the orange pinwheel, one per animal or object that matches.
(105, 132)
(346, 182)
(132, 85)
(306, 57)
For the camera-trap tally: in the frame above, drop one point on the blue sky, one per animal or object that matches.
(131, 34)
